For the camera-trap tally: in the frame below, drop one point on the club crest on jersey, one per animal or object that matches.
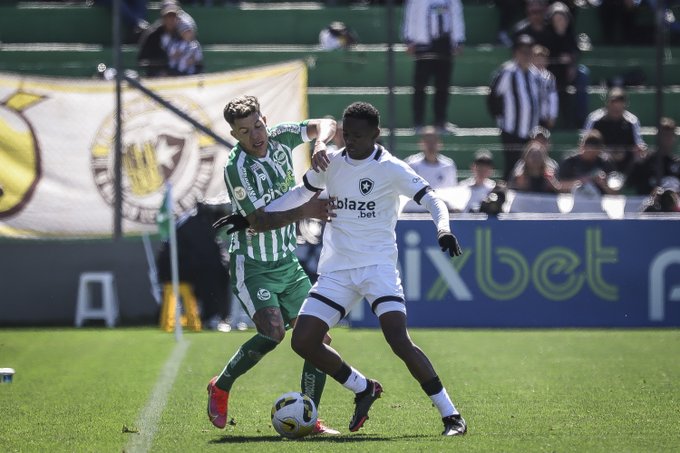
(280, 157)
(366, 186)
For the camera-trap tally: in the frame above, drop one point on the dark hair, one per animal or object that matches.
(593, 137)
(363, 111)
(241, 107)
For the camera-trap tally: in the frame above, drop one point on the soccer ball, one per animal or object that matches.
(293, 415)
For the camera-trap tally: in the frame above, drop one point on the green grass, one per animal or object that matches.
(523, 390)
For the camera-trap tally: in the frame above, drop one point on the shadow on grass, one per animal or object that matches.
(313, 439)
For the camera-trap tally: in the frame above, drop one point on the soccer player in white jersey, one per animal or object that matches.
(359, 257)
(267, 278)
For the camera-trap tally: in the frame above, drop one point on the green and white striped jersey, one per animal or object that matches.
(254, 182)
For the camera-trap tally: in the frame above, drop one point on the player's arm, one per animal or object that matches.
(440, 215)
(323, 130)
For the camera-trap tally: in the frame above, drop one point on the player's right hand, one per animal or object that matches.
(236, 220)
(319, 208)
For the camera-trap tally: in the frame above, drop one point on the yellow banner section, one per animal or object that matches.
(57, 139)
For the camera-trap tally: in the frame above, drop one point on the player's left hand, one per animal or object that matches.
(320, 160)
(236, 220)
(448, 242)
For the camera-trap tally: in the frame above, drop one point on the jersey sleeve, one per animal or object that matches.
(241, 186)
(290, 134)
(407, 181)
(314, 181)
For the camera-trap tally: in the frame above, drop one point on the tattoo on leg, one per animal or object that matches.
(269, 322)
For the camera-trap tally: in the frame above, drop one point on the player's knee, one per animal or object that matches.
(327, 339)
(399, 342)
(300, 344)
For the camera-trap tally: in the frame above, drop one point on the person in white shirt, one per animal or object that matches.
(359, 259)
(480, 183)
(438, 170)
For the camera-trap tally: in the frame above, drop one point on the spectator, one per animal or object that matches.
(440, 171)
(542, 136)
(480, 183)
(535, 24)
(620, 131)
(535, 171)
(185, 56)
(514, 101)
(564, 65)
(660, 166)
(434, 32)
(662, 200)
(337, 36)
(549, 103)
(169, 46)
(589, 171)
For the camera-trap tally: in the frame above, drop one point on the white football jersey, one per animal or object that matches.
(367, 207)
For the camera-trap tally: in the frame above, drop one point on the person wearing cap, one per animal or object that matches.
(514, 101)
(434, 32)
(337, 36)
(185, 56)
(480, 183)
(589, 169)
(620, 131)
(661, 167)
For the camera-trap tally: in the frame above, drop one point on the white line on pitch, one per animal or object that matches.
(151, 414)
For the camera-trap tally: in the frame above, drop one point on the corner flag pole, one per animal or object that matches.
(174, 267)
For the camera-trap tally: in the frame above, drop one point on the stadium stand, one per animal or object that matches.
(71, 39)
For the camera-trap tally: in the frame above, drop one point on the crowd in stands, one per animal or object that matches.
(540, 88)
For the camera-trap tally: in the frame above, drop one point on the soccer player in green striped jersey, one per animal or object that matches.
(267, 278)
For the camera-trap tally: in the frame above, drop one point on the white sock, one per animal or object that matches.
(444, 404)
(356, 382)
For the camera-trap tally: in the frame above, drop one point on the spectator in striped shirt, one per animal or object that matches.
(620, 131)
(549, 106)
(515, 100)
(185, 56)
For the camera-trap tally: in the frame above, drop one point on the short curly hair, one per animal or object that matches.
(241, 107)
(363, 111)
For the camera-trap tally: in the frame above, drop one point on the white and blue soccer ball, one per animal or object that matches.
(294, 415)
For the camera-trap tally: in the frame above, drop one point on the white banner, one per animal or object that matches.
(57, 146)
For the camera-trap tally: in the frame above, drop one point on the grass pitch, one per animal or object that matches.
(520, 390)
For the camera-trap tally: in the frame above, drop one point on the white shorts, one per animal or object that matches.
(334, 294)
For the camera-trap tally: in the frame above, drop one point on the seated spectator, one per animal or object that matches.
(659, 166)
(480, 183)
(535, 171)
(337, 36)
(662, 200)
(549, 103)
(440, 171)
(174, 32)
(185, 56)
(541, 135)
(620, 131)
(589, 171)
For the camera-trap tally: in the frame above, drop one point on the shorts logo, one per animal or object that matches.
(365, 186)
(263, 294)
(239, 193)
